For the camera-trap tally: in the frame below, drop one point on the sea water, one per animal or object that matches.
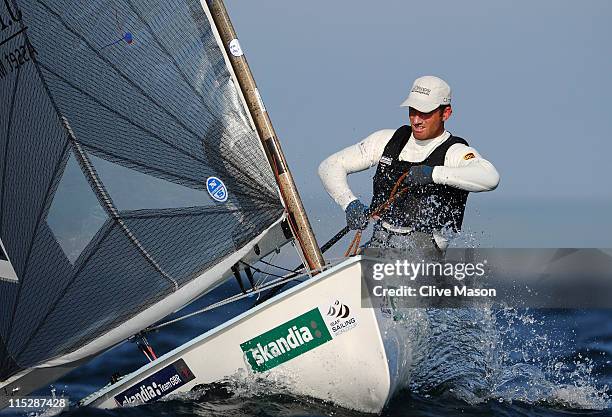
(466, 362)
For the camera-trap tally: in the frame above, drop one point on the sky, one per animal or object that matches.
(532, 85)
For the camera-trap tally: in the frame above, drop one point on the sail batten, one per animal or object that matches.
(132, 177)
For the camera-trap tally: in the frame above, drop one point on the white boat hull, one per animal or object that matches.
(315, 339)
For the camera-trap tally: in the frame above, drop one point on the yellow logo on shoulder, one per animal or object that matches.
(469, 156)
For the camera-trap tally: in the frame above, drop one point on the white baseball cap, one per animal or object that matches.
(428, 93)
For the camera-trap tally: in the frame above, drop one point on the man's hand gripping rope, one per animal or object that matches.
(353, 248)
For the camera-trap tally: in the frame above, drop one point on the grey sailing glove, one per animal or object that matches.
(356, 215)
(419, 175)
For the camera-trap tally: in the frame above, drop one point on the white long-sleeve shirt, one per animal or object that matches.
(463, 167)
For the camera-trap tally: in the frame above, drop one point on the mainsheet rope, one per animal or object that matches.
(354, 248)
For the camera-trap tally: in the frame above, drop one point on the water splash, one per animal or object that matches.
(483, 355)
(247, 394)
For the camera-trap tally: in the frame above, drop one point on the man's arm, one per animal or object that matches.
(464, 168)
(333, 171)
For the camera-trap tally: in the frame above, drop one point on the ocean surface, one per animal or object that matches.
(467, 362)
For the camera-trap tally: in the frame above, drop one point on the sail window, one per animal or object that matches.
(75, 214)
(133, 190)
(7, 272)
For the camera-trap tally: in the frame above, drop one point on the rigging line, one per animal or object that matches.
(221, 303)
(324, 249)
(113, 43)
(279, 267)
(260, 271)
(108, 203)
(253, 182)
(263, 279)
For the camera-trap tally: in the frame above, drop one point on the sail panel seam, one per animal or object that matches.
(165, 50)
(6, 148)
(154, 135)
(130, 81)
(120, 73)
(45, 207)
(108, 204)
(63, 293)
(197, 185)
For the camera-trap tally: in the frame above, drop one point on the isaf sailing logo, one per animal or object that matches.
(338, 310)
(339, 318)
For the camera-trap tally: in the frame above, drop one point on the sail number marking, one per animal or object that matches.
(12, 60)
(20, 56)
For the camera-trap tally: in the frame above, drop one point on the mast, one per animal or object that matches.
(297, 215)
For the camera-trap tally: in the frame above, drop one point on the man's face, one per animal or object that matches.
(428, 125)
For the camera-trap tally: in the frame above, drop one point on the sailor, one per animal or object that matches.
(441, 170)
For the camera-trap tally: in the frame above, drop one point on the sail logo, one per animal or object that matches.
(157, 385)
(7, 272)
(287, 341)
(216, 188)
(339, 318)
